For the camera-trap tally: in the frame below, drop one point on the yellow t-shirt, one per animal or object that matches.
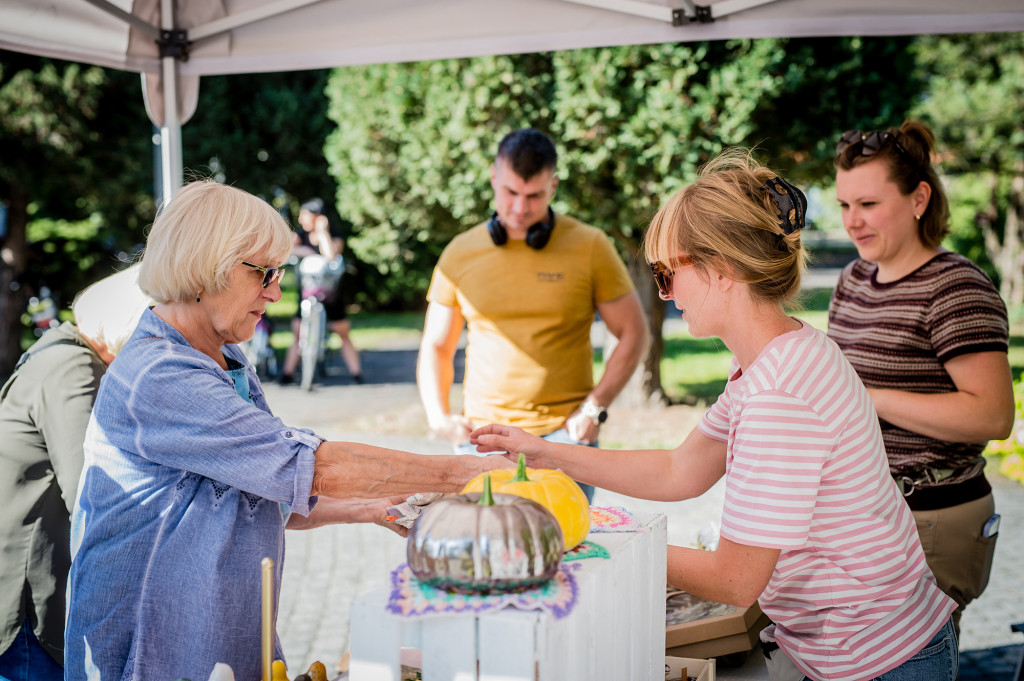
(528, 357)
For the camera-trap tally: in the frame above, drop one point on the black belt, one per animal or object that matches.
(944, 496)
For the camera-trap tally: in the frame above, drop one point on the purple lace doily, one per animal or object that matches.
(411, 598)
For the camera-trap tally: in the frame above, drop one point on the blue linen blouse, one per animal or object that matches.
(181, 497)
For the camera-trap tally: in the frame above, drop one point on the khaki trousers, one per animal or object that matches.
(957, 553)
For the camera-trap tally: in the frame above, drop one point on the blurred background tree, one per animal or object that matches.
(973, 102)
(263, 133)
(633, 124)
(411, 152)
(75, 180)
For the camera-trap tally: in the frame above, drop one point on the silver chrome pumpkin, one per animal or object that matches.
(483, 542)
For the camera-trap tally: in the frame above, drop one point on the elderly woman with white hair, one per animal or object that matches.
(189, 479)
(44, 410)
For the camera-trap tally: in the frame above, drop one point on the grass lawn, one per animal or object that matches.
(694, 370)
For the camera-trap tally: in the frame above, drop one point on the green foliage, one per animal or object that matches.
(827, 86)
(411, 154)
(76, 138)
(633, 124)
(1010, 451)
(973, 102)
(56, 244)
(76, 153)
(970, 195)
(636, 123)
(975, 89)
(263, 133)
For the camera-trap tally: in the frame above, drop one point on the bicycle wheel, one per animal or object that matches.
(312, 338)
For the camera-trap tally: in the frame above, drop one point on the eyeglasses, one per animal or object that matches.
(663, 273)
(270, 274)
(871, 143)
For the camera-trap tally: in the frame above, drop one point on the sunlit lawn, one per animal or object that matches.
(695, 370)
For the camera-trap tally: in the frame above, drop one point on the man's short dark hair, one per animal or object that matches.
(528, 152)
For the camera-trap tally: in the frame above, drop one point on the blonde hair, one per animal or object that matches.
(109, 310)
(727, 222)
(205, 231)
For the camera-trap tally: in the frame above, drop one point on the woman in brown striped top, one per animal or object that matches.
(927, 332)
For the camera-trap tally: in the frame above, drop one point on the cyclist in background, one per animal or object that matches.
(317, 237)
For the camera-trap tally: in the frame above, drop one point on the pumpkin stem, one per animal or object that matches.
(486, 498)
(521, 470)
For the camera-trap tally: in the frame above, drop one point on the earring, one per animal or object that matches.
(916, 217)
(197, 298)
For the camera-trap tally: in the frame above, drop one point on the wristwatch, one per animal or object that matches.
(595, 413)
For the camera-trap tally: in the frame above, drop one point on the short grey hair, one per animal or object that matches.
(202, 234)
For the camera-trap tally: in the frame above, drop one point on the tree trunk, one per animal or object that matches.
(1012, 275)
(644, 387)
(1007, 253)
(12, 295)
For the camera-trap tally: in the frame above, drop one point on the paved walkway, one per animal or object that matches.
(327, 567)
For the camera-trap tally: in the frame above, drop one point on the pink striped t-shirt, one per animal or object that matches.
(806, 472)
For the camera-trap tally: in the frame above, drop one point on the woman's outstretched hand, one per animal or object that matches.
(513, 441)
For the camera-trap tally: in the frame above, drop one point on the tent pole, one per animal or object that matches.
(170, 133)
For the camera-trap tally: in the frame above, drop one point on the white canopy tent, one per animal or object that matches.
(174, 42)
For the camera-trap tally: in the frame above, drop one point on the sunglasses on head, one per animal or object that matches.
(270, 274)
(871, 143)
(663, 273)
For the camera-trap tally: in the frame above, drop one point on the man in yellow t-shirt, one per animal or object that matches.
(527, 283)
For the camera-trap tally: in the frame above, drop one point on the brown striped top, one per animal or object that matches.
(899, 334)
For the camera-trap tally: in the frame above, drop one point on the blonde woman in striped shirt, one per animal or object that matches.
(813, 528)
(927, 333)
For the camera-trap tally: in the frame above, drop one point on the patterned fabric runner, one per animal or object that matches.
(413, 599)
(614, 519)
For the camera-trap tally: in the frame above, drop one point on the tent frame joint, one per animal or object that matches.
(703, 14)
(174, 43)
(697, 13)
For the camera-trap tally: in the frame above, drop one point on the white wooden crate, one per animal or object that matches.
(615, 632)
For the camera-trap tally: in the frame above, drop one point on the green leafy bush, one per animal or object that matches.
(1011, 450)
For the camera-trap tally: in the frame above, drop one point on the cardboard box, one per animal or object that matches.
(701, 670)
(734, 631)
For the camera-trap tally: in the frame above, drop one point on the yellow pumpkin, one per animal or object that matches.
(554, 490)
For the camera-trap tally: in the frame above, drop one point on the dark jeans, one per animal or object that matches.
(937, 661)
(26, 660)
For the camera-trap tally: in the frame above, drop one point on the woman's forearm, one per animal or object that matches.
(350, 469)
(734, 573)
(657, 474)
(980, 409)
(330, 511)
(952, 417)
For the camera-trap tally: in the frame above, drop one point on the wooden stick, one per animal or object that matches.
(267, 578)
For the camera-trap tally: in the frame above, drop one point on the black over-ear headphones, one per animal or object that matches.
(536, 236)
